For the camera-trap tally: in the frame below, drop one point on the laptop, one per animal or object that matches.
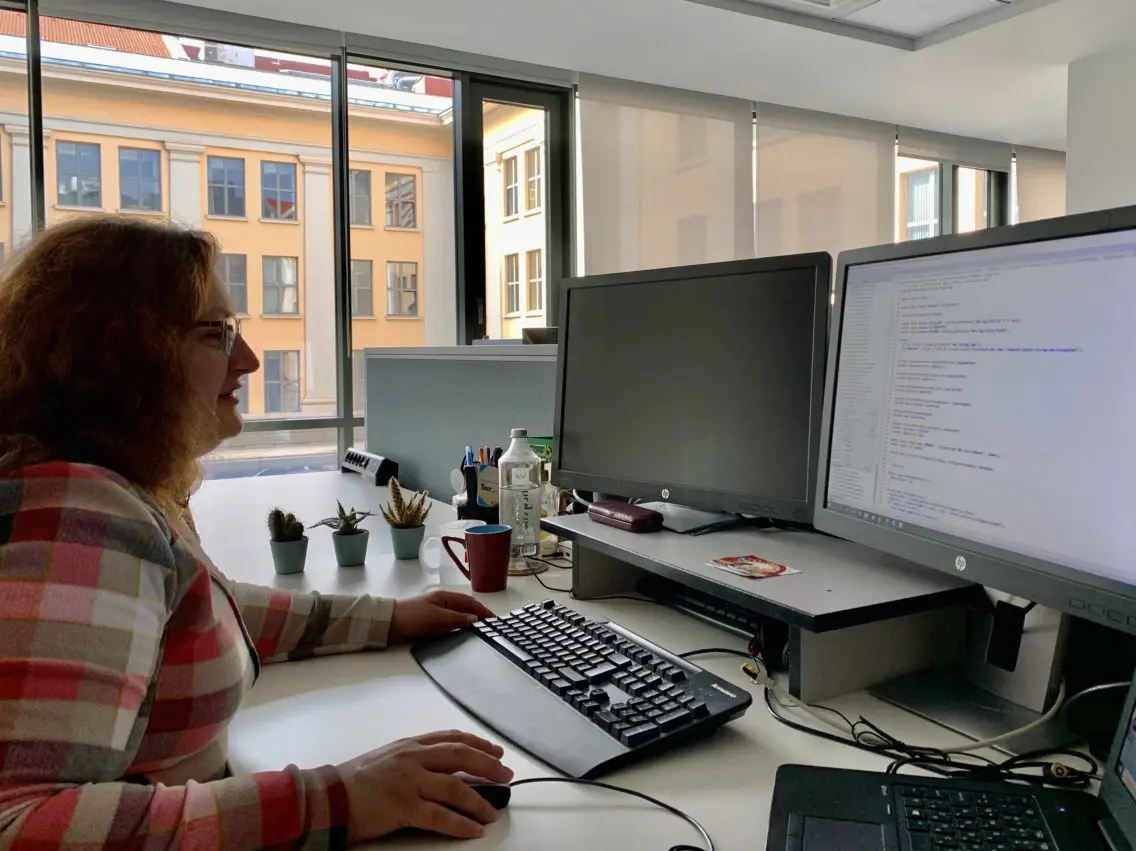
(827, 809)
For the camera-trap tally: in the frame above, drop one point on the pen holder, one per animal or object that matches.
(470, 509)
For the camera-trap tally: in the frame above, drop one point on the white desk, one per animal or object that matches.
(327, 710)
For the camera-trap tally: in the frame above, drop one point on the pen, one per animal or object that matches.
(495, 458)
(468, 456)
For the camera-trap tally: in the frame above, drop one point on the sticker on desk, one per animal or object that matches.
(752, 567)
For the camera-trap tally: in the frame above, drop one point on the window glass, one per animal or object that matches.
(278, 191)
(512, 207)
(360, 196)
(535, 290)
(79, 172)
(140, 179)
(402, 200)
(917, 207)
(234, 273)
(402, 289)
(281, 382)
(226, 186)
(281, 286)
(362, 287)
(534, 172)
(512, 284)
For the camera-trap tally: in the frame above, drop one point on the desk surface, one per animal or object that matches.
(327, 710)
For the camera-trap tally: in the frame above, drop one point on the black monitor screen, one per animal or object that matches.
(707, 384)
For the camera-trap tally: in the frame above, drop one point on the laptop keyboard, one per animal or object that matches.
(933, 818)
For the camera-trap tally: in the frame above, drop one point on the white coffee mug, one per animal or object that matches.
(430, 553)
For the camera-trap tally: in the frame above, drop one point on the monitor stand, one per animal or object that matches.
(691, 521)
(982, 701)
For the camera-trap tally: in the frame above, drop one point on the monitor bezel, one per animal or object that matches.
(1095, 598)
(765, 505)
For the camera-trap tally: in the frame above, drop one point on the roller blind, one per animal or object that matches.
(1041, 183)
(961, 150)
(666, 176)
(824, 182)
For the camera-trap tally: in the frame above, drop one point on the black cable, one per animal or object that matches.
(548, 587)
(691, 820)
(571, 591)
(727, 651)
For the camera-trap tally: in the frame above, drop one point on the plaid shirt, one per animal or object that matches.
(123, 656)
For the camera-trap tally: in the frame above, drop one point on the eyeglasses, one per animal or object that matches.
(230, 329)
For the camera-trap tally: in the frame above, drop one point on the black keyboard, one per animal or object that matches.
(934, 818)
(582, 695)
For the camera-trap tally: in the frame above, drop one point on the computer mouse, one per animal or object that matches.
(496, 794)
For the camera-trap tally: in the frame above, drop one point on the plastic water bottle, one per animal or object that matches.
(520, 496)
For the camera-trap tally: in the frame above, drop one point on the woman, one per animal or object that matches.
(124, 653)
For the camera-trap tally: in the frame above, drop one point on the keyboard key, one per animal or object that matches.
(654, 713)
(687, 699)
(634, 687)
(559, 687)
(639, 735)
(669, 706)
(606, 720)
(589, 707)
(698, 709)
(636, 719)
(619, 660)
(599, 696)
(600, 673)
(675, 675)
(573, 676)
(673, 720)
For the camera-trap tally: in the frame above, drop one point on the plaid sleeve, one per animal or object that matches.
(295, 625)
(88, 578)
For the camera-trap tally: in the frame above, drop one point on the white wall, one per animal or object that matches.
(1100, 167)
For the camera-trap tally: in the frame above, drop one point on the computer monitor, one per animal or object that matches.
(699, 386)
(980, 407)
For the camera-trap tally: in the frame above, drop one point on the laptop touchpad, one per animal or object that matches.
(826, 834)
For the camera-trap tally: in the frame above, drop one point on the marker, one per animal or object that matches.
(468, 456)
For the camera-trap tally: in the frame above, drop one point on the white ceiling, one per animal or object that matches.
(910, 18)
(1005, 81)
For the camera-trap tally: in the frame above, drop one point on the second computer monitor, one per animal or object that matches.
(980, 409)
(698, 385)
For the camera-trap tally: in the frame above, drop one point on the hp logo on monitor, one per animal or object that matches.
(960, 563)
(666, 493)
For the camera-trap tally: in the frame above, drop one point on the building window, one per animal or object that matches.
(402, 289)
(242, 395)
(233, 269)
(533, 179)
(79, 169)
(534, 260)
(281, 288)
(402, 201)
(140, 179)
(512, 284)
(360, 198)
(362, 288)
(922, 204)
(278, 191)
(282, 382)
(512, 201)
(226, 186)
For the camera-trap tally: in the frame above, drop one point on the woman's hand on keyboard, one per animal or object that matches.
(411, 783)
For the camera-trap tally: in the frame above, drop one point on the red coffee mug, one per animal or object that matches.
(487, 551)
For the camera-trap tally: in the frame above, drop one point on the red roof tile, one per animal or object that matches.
(83, 34)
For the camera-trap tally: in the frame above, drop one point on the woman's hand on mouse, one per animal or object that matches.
(411, 783)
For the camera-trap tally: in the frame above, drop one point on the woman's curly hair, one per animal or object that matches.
(95, 317)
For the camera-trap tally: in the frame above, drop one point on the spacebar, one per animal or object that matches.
(503, 697)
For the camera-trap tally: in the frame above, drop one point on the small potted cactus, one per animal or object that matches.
(349, 540)
(407, 520)
(288, 542)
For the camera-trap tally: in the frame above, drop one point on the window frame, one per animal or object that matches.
(511, 279)
(277, 192)
(79, 146)
(224, 263)
(355, 198)
(536, 153)
(530, 310)
(511, 191)
(282, 382)
(157, 155)
(394, 208)
(396, 290)
(225, 185)
(279, 285)
(358, 264)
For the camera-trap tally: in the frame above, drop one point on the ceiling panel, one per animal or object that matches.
(918, 18)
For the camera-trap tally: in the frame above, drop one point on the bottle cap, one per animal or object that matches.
(519, 432)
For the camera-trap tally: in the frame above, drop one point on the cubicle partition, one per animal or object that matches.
(423, 406)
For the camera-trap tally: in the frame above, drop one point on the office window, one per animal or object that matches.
(402, 200)
(512, 202)
(282, 382)
(281, 287)
(234, 272)
(362, 288)
(921, 203)
(226, 186)
(535, 262)
(278, 191)
(140, 179)
(359, 381)
(359, 198)
(79, 171)
(242, 395)
(534, 173)
(402, 289)
(512, 284)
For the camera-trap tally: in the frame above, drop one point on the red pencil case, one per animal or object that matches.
(625, 516)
